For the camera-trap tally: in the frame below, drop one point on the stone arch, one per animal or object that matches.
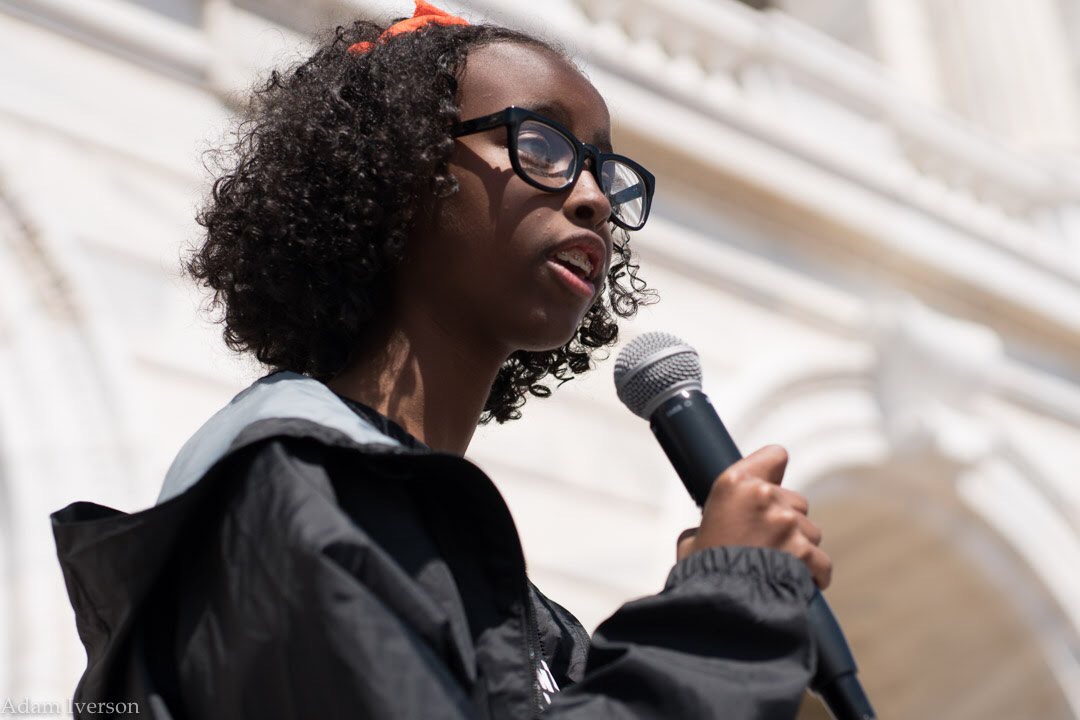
(65, 431)
(850, 460)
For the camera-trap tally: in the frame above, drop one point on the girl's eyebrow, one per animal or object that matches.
(556, 111)
(549, 108)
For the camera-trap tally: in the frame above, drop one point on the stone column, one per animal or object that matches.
(1005, 65)
(905, 46)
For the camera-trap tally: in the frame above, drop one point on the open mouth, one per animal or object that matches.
(573, 278)
(576, 261)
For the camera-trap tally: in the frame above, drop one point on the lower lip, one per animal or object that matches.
(575, 283)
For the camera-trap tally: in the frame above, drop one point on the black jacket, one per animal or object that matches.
(306, 568)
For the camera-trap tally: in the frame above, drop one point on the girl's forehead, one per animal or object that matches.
(499, 75)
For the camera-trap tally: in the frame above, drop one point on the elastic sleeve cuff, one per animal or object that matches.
(769, 571)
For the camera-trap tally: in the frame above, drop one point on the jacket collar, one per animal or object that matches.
(283, 395)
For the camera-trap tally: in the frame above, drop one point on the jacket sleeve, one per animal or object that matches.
(269, 628)
(726, 638)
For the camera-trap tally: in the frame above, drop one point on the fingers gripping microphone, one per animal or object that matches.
(658, 377)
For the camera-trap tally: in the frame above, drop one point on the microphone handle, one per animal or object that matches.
(700, 448)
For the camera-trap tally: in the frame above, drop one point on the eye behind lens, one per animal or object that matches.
(548, 156)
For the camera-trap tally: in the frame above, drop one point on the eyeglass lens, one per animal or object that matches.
(549, 158)
(625, 190)
(545, 154)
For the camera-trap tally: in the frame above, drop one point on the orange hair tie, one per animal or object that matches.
(423, 16)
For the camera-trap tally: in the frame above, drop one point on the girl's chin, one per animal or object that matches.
(548, 329)
(549, 342)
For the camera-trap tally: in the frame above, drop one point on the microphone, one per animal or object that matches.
(658, 377)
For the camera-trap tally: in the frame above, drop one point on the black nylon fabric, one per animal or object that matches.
(308, 576)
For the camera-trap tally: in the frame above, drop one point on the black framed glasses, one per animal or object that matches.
(547, 156)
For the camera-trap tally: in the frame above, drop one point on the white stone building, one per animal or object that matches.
(867, 221)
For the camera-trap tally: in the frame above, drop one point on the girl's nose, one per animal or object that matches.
(587, 203)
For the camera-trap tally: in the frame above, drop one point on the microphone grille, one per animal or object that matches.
(651, 367)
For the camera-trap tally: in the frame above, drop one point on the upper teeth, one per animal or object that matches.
(577, 258)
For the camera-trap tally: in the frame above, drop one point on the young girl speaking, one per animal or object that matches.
(417, 227)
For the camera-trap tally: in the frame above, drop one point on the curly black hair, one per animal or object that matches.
(317, 192)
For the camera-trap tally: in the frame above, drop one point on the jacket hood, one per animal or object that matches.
(111, 560)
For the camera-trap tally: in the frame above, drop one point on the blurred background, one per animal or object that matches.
(867, 221)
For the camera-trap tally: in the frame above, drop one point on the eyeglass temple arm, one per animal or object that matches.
(478, 124)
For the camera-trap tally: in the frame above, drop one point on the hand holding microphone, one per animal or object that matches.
(747, 506)
(658, 377)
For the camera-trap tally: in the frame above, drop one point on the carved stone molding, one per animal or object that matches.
(931, 373)
(803, 92)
